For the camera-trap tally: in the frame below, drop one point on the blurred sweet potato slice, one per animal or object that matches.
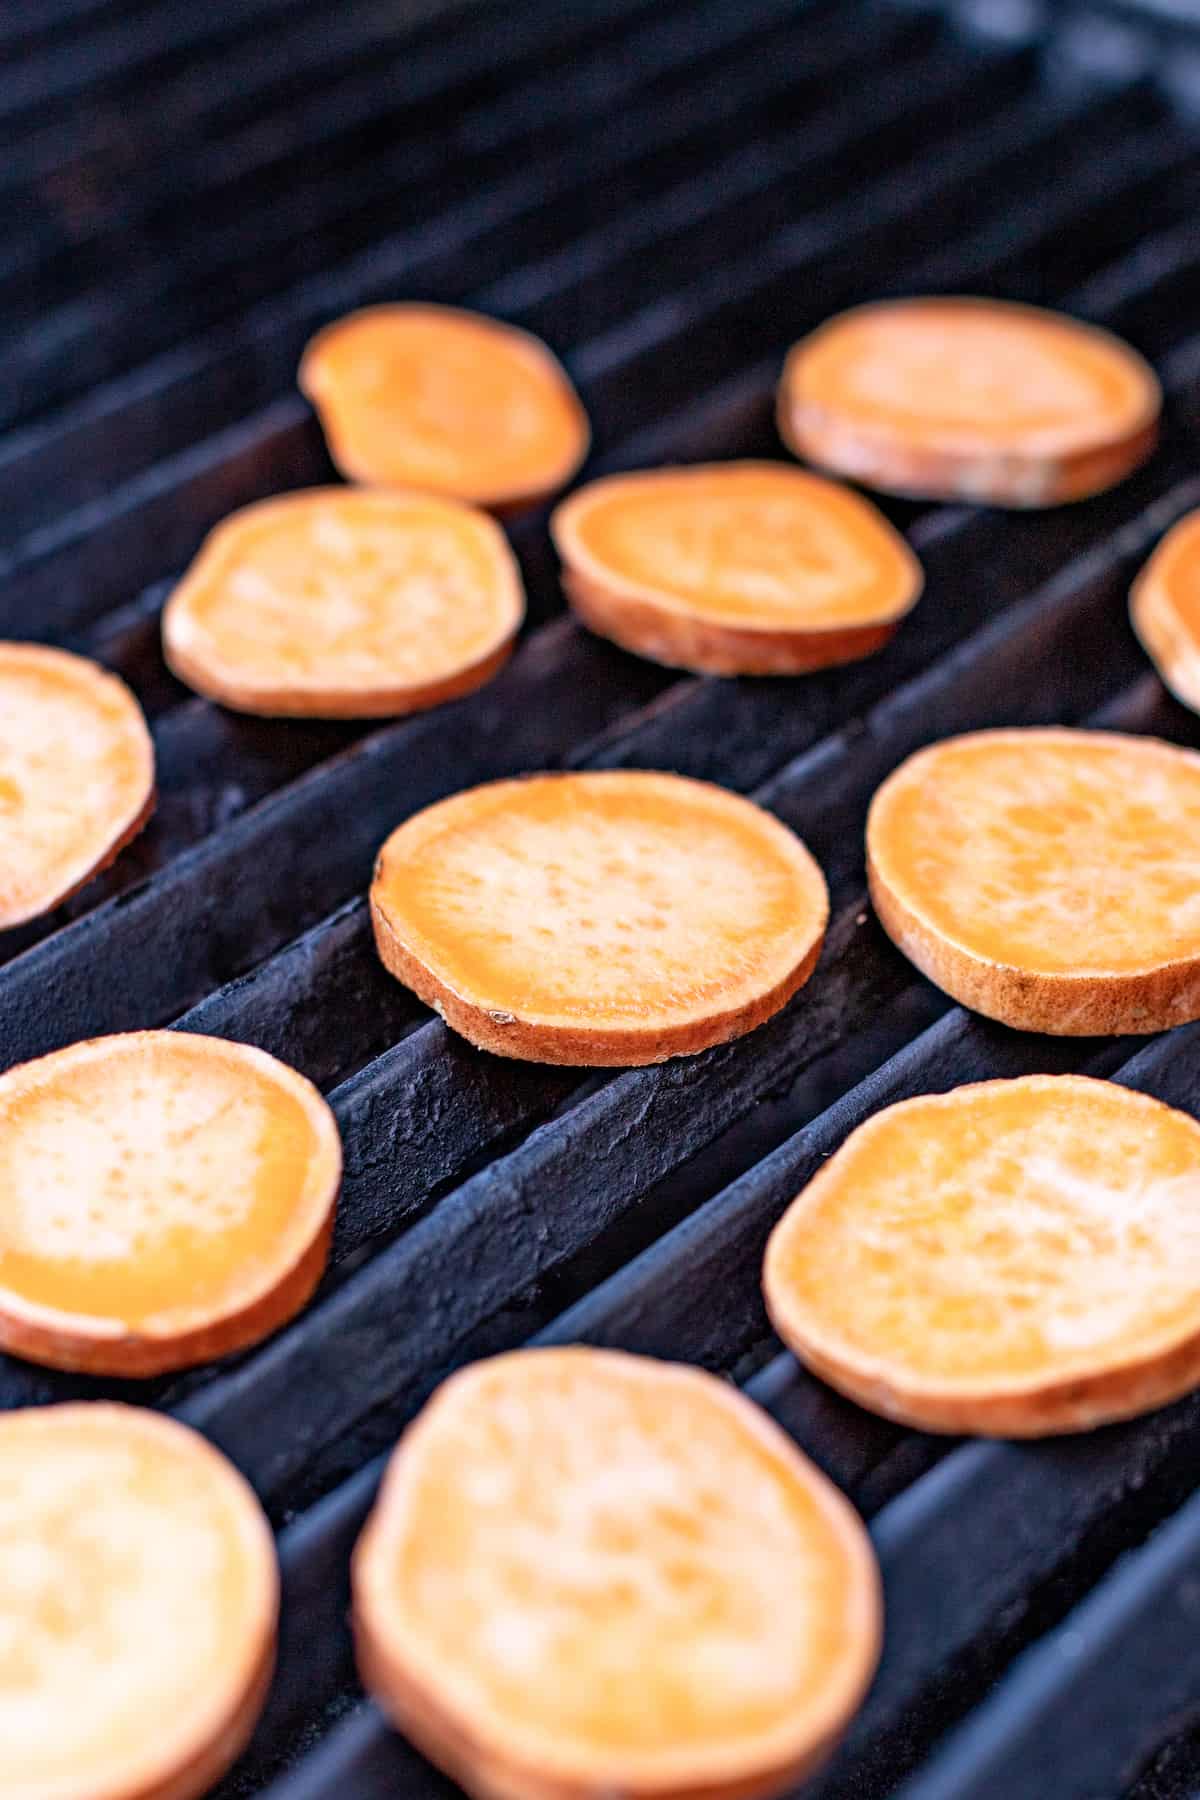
(338, 603)
(76, 776)
(1013, 1258)
(138, 1605)
(606, 918)
(431, 397)
(747, 568)
(1046, 877)
(1164, 606)
(591, 1573)
(164, 1198)
(968, 399)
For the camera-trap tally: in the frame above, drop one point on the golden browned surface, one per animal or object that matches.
(1165, 608)
(432, 397)
(590, 1572)
(615, 917)
(1047, 877)
(76, 775)
(164, 1197)
(138, 1601)
(961, 398)
(340, 603)
(1015, 1257)
(747, 567)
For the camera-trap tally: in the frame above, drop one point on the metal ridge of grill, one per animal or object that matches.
(670, 194)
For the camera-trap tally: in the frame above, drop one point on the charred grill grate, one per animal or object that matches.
(670, 193)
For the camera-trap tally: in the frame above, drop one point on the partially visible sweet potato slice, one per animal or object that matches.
(1046, 877)
(1164, 606)
(968, 399)
(339, 603)
(606, 918)
(431, 397)
(164, 1198)
(138, 1605)
(590, 1573)
(1014, 1258)
(76, 776)
(747, 568)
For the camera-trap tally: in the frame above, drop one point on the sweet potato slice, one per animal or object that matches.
(1048, 878)
(1013, 1258)
(747, 568)
(967, 399)
(338, 603)
(138, 1606)
(598, 919)
(76, 776)
(431, 397)
(1164, 606)
(591, 1573)
(164, 1198)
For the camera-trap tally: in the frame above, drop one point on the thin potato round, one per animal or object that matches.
(138, 1606)
(1014, 1258)
(430, 397)
(590, 1573)
(598, 919)
(337, 603)
(1048, 878)
(76, 776)
(968, 399)
(1165, 609)
(747, 568)
(164, 1198)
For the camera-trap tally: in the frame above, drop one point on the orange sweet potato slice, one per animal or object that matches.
(1046, 877)
(1164, 606)
(164, 1198)
(138, 1606)
(598, 919)
(1014, 1258)
(967, 399)
(431, 397)
(747, 568)
(339, 603)
(591, 1573)
(76, 776)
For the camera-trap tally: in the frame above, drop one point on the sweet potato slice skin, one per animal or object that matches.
(1164, 607)
(165, 1198)
(1046, 877)
(343, 603)
(596, 1573)
(76, 776)
(433, 397)
(141, 1606)
(959, 398)
(1014, 1258)
(747, 568)
(599, 919)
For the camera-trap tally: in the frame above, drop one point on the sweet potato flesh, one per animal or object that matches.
(615, 899)
(136, 1600)
(1055, 852)
(617, 1566)
(430, 397)
(1014, 1231)
(747, 544)
(153, 1179)
(973, 373)
(76, 774)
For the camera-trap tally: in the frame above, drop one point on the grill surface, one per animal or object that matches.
(670, 193)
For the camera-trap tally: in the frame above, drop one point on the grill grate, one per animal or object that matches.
(671, 194)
